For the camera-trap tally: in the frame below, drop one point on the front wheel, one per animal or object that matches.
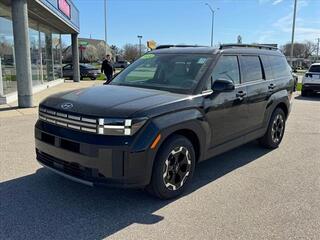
(173, 168)
(275, 132)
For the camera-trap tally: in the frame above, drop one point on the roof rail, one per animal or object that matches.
(179, 46)
(224, 46)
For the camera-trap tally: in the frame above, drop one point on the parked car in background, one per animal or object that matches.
(169, 110)
(311, 80)
(86, 71)
(121, 64)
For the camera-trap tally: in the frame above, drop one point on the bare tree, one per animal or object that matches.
(131, 52)
(300, 50)
(91, 53)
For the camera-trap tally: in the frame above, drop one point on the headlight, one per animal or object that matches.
(120, 127)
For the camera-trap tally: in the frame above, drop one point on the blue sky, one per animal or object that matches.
(189, 21)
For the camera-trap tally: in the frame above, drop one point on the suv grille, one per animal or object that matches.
(68, 120)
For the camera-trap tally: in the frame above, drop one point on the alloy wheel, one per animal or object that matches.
(176, 168)
(277, 128)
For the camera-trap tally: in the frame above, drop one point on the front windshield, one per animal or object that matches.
(171, 72)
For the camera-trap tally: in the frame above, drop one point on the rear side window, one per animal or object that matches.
(280, 67)
(227, 68)
(252, 68)
(315, 68)
(267, 67)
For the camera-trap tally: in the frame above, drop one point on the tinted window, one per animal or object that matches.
(280, 67)
(267, 67)
(314, 68)
(227, 68)
(252, 68)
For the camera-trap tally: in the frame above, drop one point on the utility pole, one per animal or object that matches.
(140, 50)
(105, 24)
(212, 21)
(318, 46)
(293, 28)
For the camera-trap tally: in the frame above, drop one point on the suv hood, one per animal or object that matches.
(110, 100)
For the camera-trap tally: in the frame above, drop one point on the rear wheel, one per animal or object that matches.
(275, 132)
(173, 168)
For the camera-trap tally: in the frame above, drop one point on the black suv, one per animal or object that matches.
(172, 108)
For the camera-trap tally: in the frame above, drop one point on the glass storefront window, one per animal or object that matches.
(45, 52)
(7, 51)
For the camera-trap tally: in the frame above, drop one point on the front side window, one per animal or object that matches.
(171, 72)
(227, 67)
(252, 68)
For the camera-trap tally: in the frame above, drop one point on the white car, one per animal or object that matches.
(311, 80)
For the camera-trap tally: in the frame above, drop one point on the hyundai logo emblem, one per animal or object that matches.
(66, 106)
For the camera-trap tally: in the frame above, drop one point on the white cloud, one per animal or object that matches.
(277, 2)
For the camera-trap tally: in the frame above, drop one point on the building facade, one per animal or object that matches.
(31, 33)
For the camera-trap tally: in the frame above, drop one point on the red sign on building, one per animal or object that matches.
(64, 7)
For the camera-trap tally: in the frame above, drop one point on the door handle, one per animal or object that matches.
(272, 86)
(240, 95)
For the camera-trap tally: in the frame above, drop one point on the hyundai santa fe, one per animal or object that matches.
(169, 110)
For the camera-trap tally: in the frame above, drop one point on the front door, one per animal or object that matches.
(227, 112)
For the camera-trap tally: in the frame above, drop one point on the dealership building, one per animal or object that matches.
(31, 33)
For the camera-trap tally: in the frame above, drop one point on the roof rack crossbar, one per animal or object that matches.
(178, 46)
(224, 46)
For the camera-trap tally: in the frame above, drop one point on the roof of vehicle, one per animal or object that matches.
(210, 50)
(315, 64)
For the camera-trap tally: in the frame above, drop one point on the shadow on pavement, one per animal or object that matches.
(46, 206)
(314, 97)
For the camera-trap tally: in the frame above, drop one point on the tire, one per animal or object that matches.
(276, 129)
(172, 162)
(93, 78)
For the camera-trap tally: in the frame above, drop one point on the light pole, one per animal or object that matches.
(140, 37)
(105, 23)
(318, 46)
(293, 28)
(212, 23)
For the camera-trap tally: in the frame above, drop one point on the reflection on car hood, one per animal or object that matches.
(110, 100)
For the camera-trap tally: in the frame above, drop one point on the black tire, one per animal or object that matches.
(276, 129)
(160, 185)
(93, 78)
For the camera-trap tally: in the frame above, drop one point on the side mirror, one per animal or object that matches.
(222, 85)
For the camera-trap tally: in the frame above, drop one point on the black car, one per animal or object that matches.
(169, 110)
(86, 71)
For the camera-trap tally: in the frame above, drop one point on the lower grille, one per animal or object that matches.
(72, 169)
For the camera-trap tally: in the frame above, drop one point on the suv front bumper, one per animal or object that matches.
(73, 155)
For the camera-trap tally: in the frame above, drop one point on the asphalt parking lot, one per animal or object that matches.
(247, 193)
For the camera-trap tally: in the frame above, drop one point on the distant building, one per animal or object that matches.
(90, 50)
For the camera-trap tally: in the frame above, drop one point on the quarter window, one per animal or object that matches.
(227, 68)
(252, 68)
(279, 66)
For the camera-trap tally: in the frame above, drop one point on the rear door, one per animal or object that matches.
(227, 112)
(254, 78)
